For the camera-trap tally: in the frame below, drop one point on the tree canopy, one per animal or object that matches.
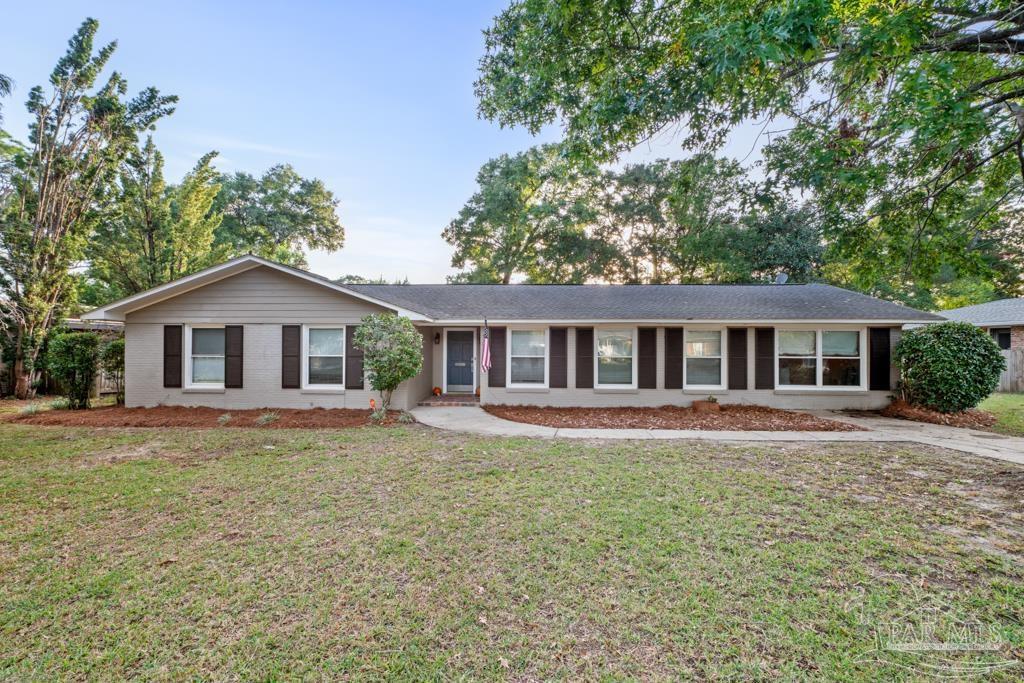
(54, 188)
(903, 120)
(696, 220)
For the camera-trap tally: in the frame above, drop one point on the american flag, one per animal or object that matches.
(485, 351)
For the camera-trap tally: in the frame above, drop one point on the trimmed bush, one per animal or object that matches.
(71, 358)
(948, 367)
(112, 362)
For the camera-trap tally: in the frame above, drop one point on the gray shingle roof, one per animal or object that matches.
(1002, 312)
(641, 302)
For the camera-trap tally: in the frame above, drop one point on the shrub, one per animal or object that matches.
(948, 367)
(267, 418)
(392, 352)
(60, 404)
(112, 362)
(224, 419)
(71, 358)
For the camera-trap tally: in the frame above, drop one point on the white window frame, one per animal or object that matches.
(547, 357)
(597, 375)
(187, 356)
(819, 330)
(723, 357)
(305, 357)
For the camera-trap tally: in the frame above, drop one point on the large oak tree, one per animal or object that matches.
(903, 119)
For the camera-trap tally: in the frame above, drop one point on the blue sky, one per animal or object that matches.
(376, 99)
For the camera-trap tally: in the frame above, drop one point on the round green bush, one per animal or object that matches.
(948, 367)
(71, 358)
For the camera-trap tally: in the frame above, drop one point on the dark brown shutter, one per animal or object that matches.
(647, 358)
(291, 356)
(559, 358)
(737, 340)
(673, 358)
(353, 361)
(233, 356)
(172, 356)
(584, 357)
(496, 375)
(764, 358)
(878, 346)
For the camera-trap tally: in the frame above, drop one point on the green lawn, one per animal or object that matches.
(408, 553)
(1009, 408)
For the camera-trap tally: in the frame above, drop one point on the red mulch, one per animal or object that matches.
(201, 418)
(970, 419)
(729, 418)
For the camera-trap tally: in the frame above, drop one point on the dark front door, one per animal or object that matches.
(460, 361)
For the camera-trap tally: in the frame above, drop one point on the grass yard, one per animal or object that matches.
(408, 553)
(1009, 409)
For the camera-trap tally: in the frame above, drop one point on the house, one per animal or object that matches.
(251, 333)
(1003, 319)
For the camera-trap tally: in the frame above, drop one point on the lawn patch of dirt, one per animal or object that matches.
(202, 418)
(729, 418)
(969, 419)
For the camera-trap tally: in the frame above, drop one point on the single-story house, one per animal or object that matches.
(1003, 319)
(251, 333)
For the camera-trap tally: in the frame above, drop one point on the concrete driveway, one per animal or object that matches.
(475, 420)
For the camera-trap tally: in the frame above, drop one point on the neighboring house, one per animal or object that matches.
(251, 333)
(1004, 320)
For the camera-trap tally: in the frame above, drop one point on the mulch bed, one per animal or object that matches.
(969, 419)
(729, 418)
(200, 418)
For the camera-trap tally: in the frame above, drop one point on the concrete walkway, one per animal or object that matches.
(475, 420)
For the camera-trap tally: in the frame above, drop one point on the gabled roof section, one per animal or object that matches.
(640, 303)
(1002, 312)
(116, 310)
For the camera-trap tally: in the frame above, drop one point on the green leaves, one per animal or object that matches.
(392, 352)
(901, 112)
(948, 367)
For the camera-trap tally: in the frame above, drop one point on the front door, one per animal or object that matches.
(460, 361)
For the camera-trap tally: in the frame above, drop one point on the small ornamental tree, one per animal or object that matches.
(112, 362)
(392, 352)
(71, 359)
(948, 367)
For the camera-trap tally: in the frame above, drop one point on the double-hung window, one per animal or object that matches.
(703, 367)
(840, 358)
(323, 357)
(527, 358)
(616, 366)
(820, 358)
(205, 344)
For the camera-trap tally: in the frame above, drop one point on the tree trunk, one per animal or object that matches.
(22, 381)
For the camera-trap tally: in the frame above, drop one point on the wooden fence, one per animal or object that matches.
(1012, 379)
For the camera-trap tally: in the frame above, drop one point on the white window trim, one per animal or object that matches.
(723, 357)
(187, 356)
(547, 357)
(305, 357)
(624, 387)
(862, 334)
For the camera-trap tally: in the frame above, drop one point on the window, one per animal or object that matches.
(527, 359)
(820, 358)
(614, 358)
(324, 357)
(1001, 335)
(798, 358)
(703, 366)
(840, 358)
(205, 356)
